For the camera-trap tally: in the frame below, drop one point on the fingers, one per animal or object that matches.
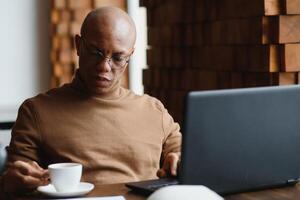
(29, 169)
(161, 173)
(170, 166)
(174, 160)
(44, 171)
(30, 182)
(25, 175)
(34, 164)
(44, 178)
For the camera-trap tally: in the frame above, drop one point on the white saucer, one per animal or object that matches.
(83, 188)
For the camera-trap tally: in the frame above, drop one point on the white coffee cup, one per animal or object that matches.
(65, 177)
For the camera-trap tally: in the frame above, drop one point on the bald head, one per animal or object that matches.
(104, 48)
(110, 20)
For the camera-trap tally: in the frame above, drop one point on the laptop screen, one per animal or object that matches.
(241, 139)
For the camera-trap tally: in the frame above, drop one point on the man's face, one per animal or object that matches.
(103, 57)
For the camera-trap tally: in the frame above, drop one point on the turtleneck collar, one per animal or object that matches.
(79, 85)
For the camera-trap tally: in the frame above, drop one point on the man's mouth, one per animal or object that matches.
(103, 81)
(103, 78)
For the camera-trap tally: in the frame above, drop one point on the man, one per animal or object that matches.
(117, 136)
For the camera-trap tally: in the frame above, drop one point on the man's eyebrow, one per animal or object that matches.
(96, 48)
(90, 45)
(119, 53)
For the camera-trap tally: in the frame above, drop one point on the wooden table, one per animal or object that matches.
(285, 193)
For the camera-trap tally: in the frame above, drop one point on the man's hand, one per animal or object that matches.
(170, 166)
(24, 176)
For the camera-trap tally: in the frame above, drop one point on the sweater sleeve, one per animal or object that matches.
(172, 142)
(24, 144)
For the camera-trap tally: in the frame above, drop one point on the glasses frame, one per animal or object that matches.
(102, 57)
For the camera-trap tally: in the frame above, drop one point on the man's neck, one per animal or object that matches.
(113, 93)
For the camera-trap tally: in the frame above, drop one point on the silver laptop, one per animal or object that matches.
(240, 139)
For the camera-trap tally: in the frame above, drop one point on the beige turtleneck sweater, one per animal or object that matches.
(117, 138)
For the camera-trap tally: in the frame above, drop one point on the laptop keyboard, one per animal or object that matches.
(162, 183)
(149, 186)
(158, 186)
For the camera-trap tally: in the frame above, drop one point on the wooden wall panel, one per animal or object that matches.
(220, 44)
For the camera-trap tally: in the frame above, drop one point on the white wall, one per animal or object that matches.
(24, 50)
(24, 55)
(138, 59)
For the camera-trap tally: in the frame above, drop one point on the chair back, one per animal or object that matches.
(2, 158)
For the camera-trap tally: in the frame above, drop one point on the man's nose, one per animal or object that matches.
(104, 65)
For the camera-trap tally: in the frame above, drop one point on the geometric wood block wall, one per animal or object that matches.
(217, 44)
(66, 19)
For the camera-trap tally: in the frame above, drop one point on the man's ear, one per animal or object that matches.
(78, 44)
(132, 51)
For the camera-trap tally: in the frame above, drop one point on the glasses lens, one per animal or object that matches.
(114, 62)
(119, 62)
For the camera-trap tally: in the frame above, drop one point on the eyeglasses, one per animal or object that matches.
(115, 62)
